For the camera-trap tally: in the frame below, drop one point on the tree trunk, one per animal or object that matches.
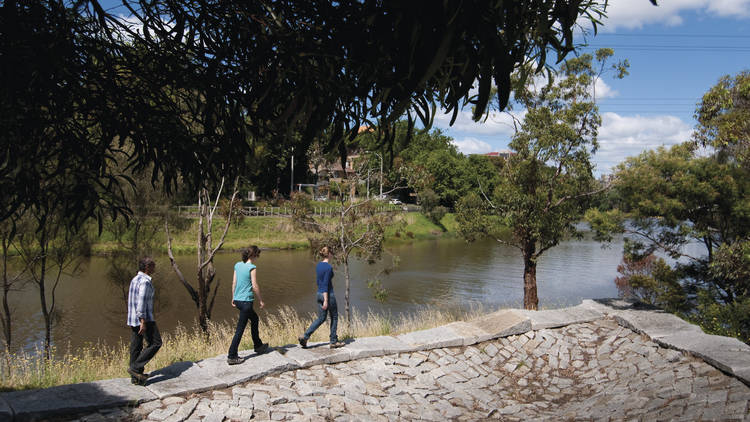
(530, 298)
(7, 331)
(346, 294)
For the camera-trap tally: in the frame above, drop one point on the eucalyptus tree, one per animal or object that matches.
(81, 83)
(693, 206)
(545, 185)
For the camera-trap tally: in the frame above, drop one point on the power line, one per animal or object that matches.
(675, 36)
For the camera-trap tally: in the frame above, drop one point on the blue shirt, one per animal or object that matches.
(140, 299)
(324, 274)
(244, 289)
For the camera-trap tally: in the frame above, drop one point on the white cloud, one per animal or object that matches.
(495, 124)
(626, 136)
(472, 146)
(633, 14)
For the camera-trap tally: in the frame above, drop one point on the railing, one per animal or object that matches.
(193, 211)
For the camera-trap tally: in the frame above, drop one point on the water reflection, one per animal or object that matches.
(448, 272)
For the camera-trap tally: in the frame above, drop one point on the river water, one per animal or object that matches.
(447, 271)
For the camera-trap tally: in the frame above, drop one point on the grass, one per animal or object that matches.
(95, 362)
(276, 233)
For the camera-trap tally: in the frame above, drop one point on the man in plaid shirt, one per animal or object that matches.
(141, 321)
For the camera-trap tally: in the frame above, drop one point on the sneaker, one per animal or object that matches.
(235, 361)
(337, 344)
(302, 342)
(136, 381)
(263, 348)
(140, 376)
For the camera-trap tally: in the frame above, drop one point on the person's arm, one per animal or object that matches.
(140, 309)
(256, 289)
(234, 286)
(328, 276)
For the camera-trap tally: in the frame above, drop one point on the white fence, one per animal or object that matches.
(192, 210)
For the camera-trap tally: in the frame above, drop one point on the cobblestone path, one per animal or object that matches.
(592, 371)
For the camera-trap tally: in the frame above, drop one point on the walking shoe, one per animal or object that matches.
(337, 344)
(235, 361)
(136, 381)
(302, 342)
(138, 375)
(263, 348)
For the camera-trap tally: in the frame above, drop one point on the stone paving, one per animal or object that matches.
(597, 370)
(605, 359)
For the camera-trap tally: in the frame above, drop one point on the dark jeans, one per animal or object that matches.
(332, 310)
(139, 356)
(246, 312)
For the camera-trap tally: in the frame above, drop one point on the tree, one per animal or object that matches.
(356, 230)
(723, 117)
(673, 198)
(694, 208)
(51, 249)
(79, 82)
(12, 280)
(201, 294)
(546, 184)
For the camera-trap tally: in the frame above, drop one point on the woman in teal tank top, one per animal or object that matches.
(244, 292)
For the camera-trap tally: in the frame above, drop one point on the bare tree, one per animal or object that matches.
(202, 294)
(12, 279)
(357, 229)
(54, 249)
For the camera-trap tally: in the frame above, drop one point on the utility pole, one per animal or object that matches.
(291, 181)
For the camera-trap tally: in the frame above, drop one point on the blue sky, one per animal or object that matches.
(677, 51)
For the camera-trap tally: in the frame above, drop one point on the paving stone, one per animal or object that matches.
(375, 346)
(316, 354)
(74, 398)
(432, 338)
(254, 367)
(182, 378)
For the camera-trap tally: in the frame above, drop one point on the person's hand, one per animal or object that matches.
(142, 328)
(233, 305)
(325, 305)
(262, 305)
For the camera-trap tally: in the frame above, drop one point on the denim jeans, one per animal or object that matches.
(139, 356)
(246, 312)
(332, 310)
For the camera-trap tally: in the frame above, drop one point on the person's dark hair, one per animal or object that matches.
(145, 262)
(251, 252)
(324, 252)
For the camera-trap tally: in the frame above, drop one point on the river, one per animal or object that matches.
(447, 271)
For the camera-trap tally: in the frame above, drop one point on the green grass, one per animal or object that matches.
(275, 233)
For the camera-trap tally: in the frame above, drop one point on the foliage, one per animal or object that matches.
(546, 185)
(187, 86)
(650, 280)
(356, 230)
(695, 208)
(723, 116)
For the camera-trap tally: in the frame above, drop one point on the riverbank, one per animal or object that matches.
(23, 371)
(277, 233)
(598, 359)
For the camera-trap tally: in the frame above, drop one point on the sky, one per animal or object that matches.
(677, 51)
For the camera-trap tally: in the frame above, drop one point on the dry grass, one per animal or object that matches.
(95, 362)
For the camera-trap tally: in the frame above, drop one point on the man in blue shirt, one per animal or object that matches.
(141, 321)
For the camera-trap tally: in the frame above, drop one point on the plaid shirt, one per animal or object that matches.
(140, 299)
